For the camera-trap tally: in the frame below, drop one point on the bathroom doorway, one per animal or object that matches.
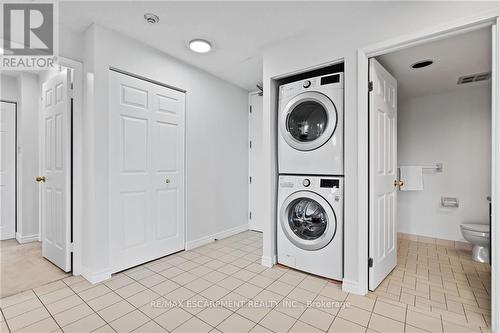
(430, 175)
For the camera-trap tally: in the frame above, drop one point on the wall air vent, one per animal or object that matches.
(474, 78)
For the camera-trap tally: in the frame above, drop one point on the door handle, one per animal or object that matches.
(40, 179)
(398, 183)
(167, 180)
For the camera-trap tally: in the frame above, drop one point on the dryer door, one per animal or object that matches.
(308, 120)
(308, 221)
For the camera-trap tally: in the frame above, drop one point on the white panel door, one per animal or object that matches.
(255, 157)
(7, 170)
(55, 170)
(146, 170)
(383, 174)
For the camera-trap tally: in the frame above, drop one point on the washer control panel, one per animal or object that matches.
(330, 184)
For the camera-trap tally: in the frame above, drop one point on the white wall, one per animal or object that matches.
(216, 142)
(452, 128)
(71, 44)
(341, 40)
(8, 88)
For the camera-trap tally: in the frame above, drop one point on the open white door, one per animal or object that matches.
(254, 158)
(55, 170)
(7, 170)
(146, 170)
(383, 174)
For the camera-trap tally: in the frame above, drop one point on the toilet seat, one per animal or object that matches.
(482, 228)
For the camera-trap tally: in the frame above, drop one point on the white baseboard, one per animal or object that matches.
(219, 235)
(268, 261)
(8, 236)
(354, 287)
(27, 239)
(96, 276)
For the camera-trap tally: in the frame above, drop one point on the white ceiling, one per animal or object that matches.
(239, 31)
(460, 55)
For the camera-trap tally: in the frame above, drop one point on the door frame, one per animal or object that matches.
(251, 172)
(16, 165)
(77, 161)
(490, 19)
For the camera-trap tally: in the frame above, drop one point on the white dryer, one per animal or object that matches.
(311, 126)
(310, 224)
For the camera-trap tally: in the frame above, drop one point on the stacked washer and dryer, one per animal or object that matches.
(311, 168)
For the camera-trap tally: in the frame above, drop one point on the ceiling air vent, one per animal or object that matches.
(474, 78)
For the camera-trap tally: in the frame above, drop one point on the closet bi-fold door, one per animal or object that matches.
(146, 165)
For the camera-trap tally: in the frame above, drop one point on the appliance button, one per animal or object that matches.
(306, 182)
(306, 84)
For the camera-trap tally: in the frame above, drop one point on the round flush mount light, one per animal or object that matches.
(422, 64)
(200, 45)
(151, 18)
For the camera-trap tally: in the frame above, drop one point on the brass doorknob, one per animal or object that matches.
(40, 179)
(398, 183)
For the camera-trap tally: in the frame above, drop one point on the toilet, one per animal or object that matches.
(479, 236)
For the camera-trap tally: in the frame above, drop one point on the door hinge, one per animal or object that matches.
(250, 179)
(250, 215)
(370, 262)
(370, 86)
(250, 144)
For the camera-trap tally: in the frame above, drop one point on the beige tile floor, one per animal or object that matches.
(22, 267)
(221, 287)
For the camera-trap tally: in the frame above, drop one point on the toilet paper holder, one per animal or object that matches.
(449, 202)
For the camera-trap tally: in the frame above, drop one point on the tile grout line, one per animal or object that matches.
(50, 314)
(5, 320)
(106, 323)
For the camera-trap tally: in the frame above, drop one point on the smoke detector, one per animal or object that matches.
(474, 78)
(151, 18)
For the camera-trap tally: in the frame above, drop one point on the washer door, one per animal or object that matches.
(308, 120)
(308, 221)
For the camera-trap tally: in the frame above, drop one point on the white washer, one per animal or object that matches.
(310, 224)
(311, 126)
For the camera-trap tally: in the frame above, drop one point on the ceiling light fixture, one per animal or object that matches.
(200, 45)
(422, 64)
(151, 18)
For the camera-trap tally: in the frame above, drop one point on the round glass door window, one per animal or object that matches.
(307, 121)
(307, 219)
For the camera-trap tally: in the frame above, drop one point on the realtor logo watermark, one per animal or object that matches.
(29, 36)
